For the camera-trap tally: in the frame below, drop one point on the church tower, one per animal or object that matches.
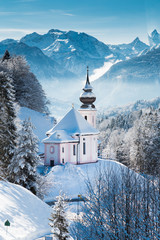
(87, 109)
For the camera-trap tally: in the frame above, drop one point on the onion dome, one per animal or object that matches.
(87, 97)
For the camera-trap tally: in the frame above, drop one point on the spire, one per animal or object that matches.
(87, 97)
(87, 81)
(87, 87)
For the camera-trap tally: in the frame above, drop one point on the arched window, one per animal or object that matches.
(85, 117)
(51, 149)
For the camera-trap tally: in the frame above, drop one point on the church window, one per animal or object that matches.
(85, 117)
(62, 149)
(84, 139)
(84, 148)
(74, 149)
(52, 149)
(62, 160)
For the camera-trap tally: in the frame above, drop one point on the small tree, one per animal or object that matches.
(6, 56)
(58, 220)
(22, 169)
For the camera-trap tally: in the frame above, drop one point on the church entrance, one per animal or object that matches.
(51, 163)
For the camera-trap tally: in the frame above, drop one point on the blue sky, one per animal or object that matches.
(111, 21)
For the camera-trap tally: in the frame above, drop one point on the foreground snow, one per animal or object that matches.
(27, 214)
(71, 179)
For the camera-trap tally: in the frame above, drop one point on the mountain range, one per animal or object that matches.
(66, 54)
(60, 57)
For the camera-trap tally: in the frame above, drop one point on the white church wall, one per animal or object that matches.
(51, 153)
(89, 115)
(89, 154)
(72, 153)
(67, 154)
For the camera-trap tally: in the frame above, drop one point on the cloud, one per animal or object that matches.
(17, 33)
(23, 1)
(6, 30)
(22, 13)
(62, 12)
(68, 14)
(7, 13)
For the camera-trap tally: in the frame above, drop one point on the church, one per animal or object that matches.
(74, 138)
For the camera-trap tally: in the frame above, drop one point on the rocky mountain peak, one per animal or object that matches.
(154, 38)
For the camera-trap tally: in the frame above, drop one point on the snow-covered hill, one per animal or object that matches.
(71, 179)
(27, 214)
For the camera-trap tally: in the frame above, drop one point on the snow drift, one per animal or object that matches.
(27, 214)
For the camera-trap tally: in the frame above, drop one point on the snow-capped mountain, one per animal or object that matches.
(141, 69)
(60, 53)
(70, 49)
(62, 56)
(154, 38)
(126, 51)
(130, 80)
(75, 50)
(41, 65)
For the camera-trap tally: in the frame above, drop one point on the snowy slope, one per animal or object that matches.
(71, 179)
(41, 121)
(27, 214)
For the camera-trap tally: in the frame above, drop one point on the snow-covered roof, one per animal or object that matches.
(73, 123)
(59, 136)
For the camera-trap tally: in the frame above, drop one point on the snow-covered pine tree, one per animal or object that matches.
(58, 220)
(6, 56)
(8, 129)
(22, 169)
(145, 143)
(29, 92)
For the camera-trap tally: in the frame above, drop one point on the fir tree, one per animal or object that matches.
(22, 169)
(58, 220)
(6, 56)
(8, 130)
(28, 90)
